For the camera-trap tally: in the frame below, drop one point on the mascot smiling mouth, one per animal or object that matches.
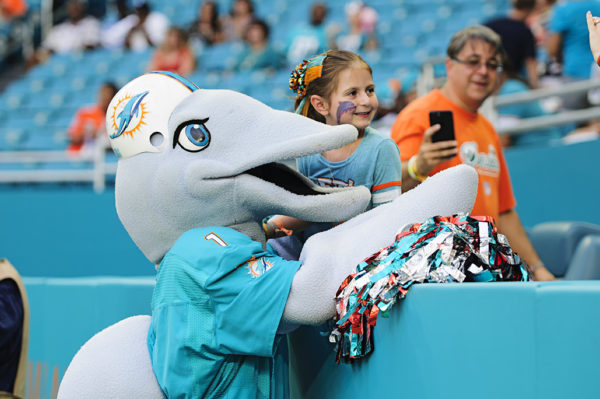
(283, 176)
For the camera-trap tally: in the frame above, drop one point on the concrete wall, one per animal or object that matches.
(472, 340)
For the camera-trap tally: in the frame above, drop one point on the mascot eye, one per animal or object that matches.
(192, 136)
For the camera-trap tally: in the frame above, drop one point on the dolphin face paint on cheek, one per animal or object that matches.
(345, 106)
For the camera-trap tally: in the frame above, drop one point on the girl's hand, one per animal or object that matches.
(543, 274)
(431, 154)
(593, 24)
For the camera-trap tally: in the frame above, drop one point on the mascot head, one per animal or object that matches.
(190, 157)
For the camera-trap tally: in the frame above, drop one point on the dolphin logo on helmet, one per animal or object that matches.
(131, 109)
(140, 111)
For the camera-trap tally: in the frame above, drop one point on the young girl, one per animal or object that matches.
(335, 88)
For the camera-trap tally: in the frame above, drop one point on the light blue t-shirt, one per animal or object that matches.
(216, 307)
(568, 19)
(375, 164)
(251, 60)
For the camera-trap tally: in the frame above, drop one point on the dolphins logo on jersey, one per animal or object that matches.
(130, 111)
(258, 267)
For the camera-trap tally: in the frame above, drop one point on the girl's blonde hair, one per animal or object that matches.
(334, 62)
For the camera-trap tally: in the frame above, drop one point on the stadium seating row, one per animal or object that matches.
(36, 110)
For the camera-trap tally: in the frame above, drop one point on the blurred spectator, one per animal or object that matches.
(207, 28)
(148, 28)
(306, 39)
(145, 28)
(539, 19)
(79, 32)
(89, 121)
(367, 17)
(11, 9)
(174, 54)
(518, 40)
(118, 12)
(568, 42)
(360, 32)
(236, 23)
(258, 52)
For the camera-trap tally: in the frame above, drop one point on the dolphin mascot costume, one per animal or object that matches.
(198, 171)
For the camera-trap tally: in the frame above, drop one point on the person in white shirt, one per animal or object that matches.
(79, 32)
(145, 28)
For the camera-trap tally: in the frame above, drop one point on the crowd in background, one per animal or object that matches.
(543, 43)
(177, 47)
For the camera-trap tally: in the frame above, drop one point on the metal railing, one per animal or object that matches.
(97, 172)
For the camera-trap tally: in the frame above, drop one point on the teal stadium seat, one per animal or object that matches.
(585, 263)
(558, 244)
(12, 139)
(181, 12)
(45, 99)
(219, 57)
(63, 117)
(240, 81)
(43, 140)
(76, 99)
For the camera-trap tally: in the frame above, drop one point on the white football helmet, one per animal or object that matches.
(138, 115)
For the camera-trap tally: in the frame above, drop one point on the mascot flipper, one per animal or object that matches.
(198, 171)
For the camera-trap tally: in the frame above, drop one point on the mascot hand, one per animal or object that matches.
(329, 257)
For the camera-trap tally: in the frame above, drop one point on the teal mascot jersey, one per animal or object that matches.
(208, 283)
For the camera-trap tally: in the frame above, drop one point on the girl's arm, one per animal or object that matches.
(280, 225)
(387, 177)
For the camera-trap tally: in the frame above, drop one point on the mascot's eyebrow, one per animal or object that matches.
(184, 124)
(344, 107)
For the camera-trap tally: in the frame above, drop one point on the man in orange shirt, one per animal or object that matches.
(10, 9)
(472, 66)
(89, 121)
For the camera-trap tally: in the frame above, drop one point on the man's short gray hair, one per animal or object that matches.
(475, 32)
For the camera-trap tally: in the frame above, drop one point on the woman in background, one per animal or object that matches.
(174, 55)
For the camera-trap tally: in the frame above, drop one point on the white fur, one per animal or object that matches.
(329, 257)
(114, 363)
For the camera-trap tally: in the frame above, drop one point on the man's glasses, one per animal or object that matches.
(474, 63)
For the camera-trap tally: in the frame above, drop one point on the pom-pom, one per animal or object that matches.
(442, 249)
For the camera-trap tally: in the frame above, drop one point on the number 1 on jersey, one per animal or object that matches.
(216, 239)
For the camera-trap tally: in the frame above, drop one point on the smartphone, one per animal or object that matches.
(445, 120)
